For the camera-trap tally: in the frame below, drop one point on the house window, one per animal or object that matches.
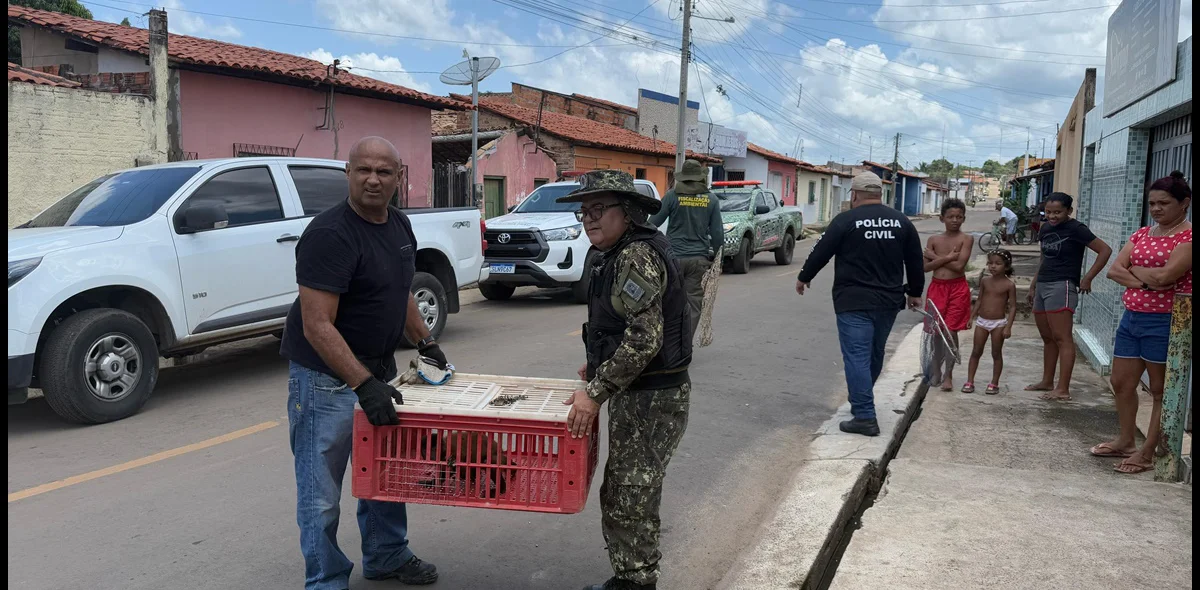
(812, 192)
(540, 181)
(735, 175)
(639, 173)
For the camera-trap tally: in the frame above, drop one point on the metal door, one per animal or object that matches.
(493, 197)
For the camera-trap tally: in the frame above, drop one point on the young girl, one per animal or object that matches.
(994, 313)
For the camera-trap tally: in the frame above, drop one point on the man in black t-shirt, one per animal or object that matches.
(354, 266)
(876, 247)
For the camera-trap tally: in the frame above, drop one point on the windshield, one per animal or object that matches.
(116, 199)
(733, 200)
(542, 200)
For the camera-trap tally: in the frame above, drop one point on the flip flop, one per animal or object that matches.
(1105, 450)
(992, 389)
(968, 387)
(1136, 468)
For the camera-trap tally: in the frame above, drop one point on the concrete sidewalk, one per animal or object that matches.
(1001, 492)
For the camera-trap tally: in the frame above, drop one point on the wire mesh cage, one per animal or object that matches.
(939, 352)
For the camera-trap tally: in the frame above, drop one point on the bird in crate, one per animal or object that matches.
(465, 458)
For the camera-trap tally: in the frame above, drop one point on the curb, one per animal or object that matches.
(795, 545)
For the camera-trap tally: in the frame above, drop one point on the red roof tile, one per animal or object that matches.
(886, 167)
(762, 151)
(608, 103)
(818, 169)
(585, 131)
(194, 50)
(17, 73)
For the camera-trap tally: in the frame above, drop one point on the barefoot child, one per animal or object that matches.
(994, 313)
(946, 255)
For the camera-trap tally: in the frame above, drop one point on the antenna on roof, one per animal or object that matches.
(469, 73)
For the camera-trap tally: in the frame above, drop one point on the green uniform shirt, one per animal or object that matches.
(695, 228)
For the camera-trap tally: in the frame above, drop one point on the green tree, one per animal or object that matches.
(71, 7)
(939, 168)
(993, 168)
(125, 22)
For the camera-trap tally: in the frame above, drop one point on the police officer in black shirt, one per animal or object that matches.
(354, 266)
(876, 247)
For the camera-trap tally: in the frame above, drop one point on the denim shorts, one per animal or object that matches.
(1143, 335)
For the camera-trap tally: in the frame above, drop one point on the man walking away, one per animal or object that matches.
(876, 247)
(1007, 221)
(354, 265)
(695, 230)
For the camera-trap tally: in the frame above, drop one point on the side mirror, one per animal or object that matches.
(762, 210)
(201, 217)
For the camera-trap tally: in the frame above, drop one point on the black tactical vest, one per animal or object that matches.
(605, 328)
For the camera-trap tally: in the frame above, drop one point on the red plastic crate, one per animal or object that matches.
(503, 463)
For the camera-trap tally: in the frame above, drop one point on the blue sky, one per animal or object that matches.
(839, 77)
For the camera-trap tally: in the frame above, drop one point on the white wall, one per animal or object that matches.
(61, 138)
(754, 165)
(40, 47)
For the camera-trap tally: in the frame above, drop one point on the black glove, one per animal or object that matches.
(434, 352)
(376, 398)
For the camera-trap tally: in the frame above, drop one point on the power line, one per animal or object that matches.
(969, 18)
(338, 30)
(597, 38)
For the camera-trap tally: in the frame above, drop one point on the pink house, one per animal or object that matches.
(781, 172)
(231, 100)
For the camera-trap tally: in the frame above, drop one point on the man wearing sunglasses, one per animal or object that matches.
(638, 342)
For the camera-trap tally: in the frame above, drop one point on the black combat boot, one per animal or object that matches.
(863, 427)
(413, 573)
(619, 584)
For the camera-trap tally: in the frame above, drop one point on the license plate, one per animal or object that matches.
(504, 269)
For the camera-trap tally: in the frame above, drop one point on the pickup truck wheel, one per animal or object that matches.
(784, 253)
(741, 260)
(98, 366)
(581, 289)
(496, 291)
(431, 302)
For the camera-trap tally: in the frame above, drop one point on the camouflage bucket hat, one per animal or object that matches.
(619, 183)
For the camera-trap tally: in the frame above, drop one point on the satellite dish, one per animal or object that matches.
(470, 71)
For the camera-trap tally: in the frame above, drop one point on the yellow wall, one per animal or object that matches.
(657, 168)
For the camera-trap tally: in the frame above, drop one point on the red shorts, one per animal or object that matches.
(953, 300)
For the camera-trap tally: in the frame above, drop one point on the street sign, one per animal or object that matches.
(1142, 36)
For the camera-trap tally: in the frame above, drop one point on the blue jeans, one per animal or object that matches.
(863, 336)
(321, 420)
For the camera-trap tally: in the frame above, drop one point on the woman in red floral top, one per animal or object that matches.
(1154, 265)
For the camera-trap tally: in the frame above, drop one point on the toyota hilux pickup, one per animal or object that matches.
(166, 260)
(755, 221)
(541, 244)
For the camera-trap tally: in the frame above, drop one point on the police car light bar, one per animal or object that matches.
(737, 183)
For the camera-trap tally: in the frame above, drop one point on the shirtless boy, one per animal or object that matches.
(946, 255)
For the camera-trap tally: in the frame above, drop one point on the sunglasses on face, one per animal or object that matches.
(593, 213)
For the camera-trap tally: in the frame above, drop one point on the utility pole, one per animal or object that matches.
(685, 57)
(1043, 148)
(801, 149)
(895, 170)
(1026, 167)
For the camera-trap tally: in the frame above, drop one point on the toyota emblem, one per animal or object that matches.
(504, 238)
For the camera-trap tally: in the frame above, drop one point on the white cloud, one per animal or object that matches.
(186, 23)
(386, 68)
(415, 18)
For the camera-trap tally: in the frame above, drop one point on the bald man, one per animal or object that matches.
(354, 266)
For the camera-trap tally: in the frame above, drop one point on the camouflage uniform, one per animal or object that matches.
(644, 426)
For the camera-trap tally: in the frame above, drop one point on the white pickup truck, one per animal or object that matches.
(540, 243)
(170, 259)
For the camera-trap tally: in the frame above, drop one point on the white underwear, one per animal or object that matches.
(990, 325)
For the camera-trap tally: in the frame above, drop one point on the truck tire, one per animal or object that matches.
(580, 290)
(496, 291)
(784, 253)
(98, 366)
(741, 260)
(431, 301)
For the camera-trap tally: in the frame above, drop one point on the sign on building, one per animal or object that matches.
(716, 140)
(1142, 36)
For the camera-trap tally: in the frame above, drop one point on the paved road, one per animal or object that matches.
(197, 491)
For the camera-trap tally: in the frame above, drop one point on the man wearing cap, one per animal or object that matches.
(638, 342)
(876, 247)
(695, 230)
